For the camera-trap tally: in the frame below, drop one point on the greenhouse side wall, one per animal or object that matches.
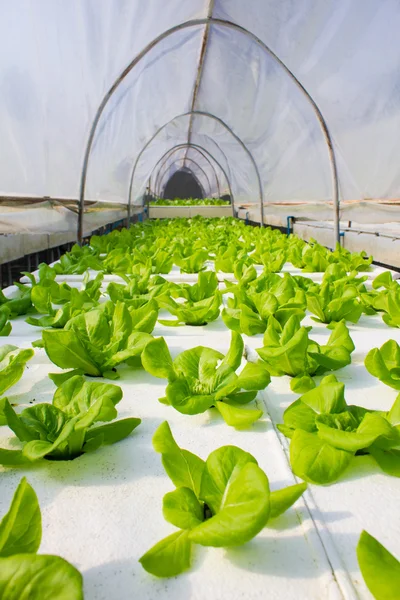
(363, 226)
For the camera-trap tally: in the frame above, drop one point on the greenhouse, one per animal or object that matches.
(200, 300)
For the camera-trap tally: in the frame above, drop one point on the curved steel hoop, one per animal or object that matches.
(155, 42)
(197, 179)
(174, 149)
(219, 165)
(227, 128)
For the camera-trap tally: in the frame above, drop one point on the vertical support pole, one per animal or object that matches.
(289, 222)
(336, 218)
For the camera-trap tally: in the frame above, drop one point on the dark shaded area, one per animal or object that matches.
(183, 184)
(227, 197)
(11, 271)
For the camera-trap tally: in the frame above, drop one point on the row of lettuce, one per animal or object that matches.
(190, 202)
(224, 500)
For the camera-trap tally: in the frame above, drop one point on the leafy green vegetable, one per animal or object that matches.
(282, 500)
(315, 460)
(230, 259)
(191, 313)
(380, 569)
(392, 308)
(64, 429)
(335, 303)
(139, 289)
(251, 310)
(326, 433)
(194, 263)
(190, 202)
(206, 287)
(99, 340)
(23, 573)
(12, 365)
(58, 318)
(272, 259)
(291, 352)
(384, 363)
(224, 501)
(169, 557)
(183, 468)
(232, 245)
(18, 304)
(384, 280)
(5, 325)
(73, 302)
(39, 577)
(315, 258)
(21, 527)
(201, 378)
(138, 261)
(78, 260)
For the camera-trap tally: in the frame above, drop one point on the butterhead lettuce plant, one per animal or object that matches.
(65, 429)
(97, 341)
(191, 313)
(384, 363)
(327, 434)
(12, 365)
(206, 287)
(391, 307)
(222, 502)
(293, 353)
(335, 303)
(192, 263)
(202, 378)
(23, 572)
(5, 325)
(138, 289)
(380, 569)
(18, 304)
(249, 311)
(60, 302)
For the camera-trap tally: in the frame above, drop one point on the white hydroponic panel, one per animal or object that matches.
(103, 511)
(178, 277)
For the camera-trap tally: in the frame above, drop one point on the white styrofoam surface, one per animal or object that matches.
(102, 511)
(176, 275)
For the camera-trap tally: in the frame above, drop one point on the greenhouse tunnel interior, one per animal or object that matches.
(200, 300)
(183, 184)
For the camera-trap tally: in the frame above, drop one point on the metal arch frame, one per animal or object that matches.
(174, 149)
(200, 68)
(217, 163)
(236, 138)
(193, 174)
(164, 35)
(184, 168)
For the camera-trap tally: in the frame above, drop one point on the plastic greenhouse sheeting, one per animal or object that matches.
(59, 59)
(45, 217)
(33, 228)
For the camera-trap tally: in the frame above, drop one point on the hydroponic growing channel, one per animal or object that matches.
(198, 408)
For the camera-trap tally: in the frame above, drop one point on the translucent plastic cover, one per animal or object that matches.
(257, 127)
